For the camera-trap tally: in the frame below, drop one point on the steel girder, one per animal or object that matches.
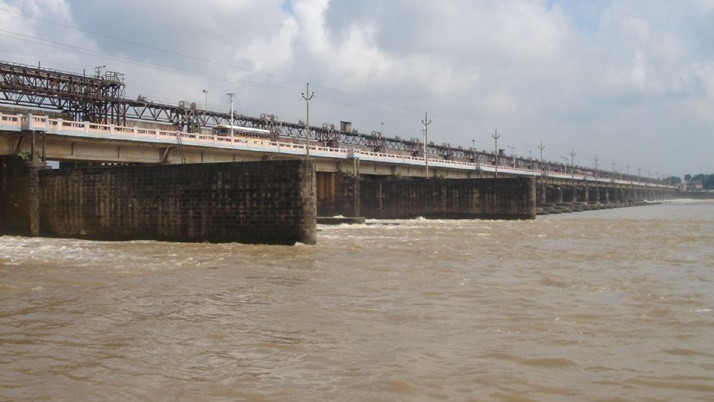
(101, 99)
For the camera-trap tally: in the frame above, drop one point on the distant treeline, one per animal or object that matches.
(692, 182)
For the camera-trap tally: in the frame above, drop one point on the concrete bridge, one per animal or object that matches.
(172, 175)
(71, 142)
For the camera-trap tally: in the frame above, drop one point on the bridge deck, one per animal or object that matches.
(110, 132)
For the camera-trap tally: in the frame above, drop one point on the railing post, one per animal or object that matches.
(60, 124)
(86, 127)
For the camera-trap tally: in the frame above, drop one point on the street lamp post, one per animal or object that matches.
(614, 172)
(307, 122)
(426, 123)
(495, 136)
(596, 166)
(231, 95)
(205, 103)
(541, 147)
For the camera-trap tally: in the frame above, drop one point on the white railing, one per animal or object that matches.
(19, 122)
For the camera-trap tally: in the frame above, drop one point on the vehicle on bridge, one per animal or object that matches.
(226, 129)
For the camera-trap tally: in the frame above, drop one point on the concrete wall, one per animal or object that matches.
(258, 202)
(19, 196)
(506, 198)
(338, 194)
(697, 195)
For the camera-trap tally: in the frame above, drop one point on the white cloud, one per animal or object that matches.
(272, 54)
(573, 74)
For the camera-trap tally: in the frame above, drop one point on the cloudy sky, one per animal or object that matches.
(629, 81)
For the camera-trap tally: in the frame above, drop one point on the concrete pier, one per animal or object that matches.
(562, 197)
(257, 202)
(394, 198)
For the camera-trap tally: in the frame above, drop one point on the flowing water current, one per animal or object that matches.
(601, 305)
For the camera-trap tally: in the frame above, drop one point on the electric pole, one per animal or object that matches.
(572, 163)
(426, 123)
(496, 136)
(614, 172)
(513, 152)
(473, 149)
(541, 147)
(230, 96)
(596, 166)
(307, 123)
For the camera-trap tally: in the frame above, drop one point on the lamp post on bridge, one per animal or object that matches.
(572, 163)
(307, 122)
(513, 152)
(473, 151)
(231, 95)
(495, 136)
(596, 166)
(205, 103)
(541, 147)
(426, 123)
(614, 172)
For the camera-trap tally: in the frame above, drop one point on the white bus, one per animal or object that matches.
(225, 130)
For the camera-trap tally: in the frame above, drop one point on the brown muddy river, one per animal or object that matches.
(602, 305)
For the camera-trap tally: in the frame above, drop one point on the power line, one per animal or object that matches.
(134, 61)
(364, 103)
(134, 43)
(369, 101)
(332, 95)
(129, 60)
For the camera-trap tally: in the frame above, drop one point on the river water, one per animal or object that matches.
(600, 305)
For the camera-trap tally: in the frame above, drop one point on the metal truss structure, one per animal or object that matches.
(100, 99)
(96, 99)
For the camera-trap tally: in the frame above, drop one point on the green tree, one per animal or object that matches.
(672, 180)
(709, 182)
(687, 178)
